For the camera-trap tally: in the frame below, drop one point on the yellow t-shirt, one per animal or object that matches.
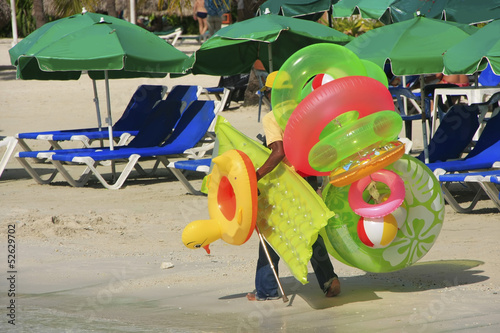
(272, 130)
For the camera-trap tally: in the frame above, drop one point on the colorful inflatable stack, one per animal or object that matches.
(382, 209)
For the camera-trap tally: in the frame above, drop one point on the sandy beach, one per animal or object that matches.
(96, 260)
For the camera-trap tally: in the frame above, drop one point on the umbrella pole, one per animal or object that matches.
(97, 109)
(270, 57)
(13, 21)
(424, 126)
(264, 246)
(109, 121)
(132, 12)
(405, 100)
(108, 105)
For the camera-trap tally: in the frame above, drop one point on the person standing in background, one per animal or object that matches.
(241, 10)
(200, 15)
(215, 9)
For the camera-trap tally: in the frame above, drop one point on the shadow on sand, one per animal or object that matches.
(419, 277)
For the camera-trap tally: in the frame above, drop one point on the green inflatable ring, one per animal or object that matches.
(419, 222)
(375, 72)
(335, 60)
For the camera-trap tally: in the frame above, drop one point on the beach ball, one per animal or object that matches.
(315, 83)
(320, 80)
(377, 232)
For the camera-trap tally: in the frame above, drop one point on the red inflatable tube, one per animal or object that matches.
(360, 93)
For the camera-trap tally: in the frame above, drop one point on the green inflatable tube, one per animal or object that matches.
(419, 218)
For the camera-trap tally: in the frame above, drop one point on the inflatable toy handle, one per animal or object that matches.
(318, 109)
(379, 127)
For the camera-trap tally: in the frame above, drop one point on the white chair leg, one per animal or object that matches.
(10, 142)
(91, 169)
(35, 175)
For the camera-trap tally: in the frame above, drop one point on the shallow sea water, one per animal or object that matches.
(41, 320)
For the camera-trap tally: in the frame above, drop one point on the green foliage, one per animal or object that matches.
(354, 25)
(370, 24)
(188, 24)
(6, 31)
(25, 20)
(26, 23)
(174, 5)
(66, 8)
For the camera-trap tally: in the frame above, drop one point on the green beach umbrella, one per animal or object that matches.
(474, 52)
(95, 43)
(269, 38)
(103, 46)
(388, 11)
(310, 10)
(411, 47)
(374, 9)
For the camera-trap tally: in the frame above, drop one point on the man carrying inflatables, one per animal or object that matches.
(265, 282)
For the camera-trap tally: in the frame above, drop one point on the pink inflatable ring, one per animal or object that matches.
(362, 208)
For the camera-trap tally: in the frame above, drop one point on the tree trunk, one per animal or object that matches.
(39, 13)
(5, 14)
(251, 97)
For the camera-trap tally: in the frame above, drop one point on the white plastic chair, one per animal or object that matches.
(10, 143)
(172, 37)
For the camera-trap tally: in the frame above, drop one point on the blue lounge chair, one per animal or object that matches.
(199, 165)
(485, 154)
(488, 78)
(400, 94)
(489, 108)
(454, 134)
(221, 94)
(479, 170)
(138, 109)
(487, 159)
(185, 93)
(187, 133)
(165, 115)
(480, 182)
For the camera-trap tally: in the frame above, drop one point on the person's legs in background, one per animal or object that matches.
(320, 259)
(266, 285)
(323, 269)
(202, 25)
(214, 24)
(265, 282)
(241, 10)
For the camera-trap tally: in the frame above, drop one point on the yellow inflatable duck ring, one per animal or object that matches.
(232, 203)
